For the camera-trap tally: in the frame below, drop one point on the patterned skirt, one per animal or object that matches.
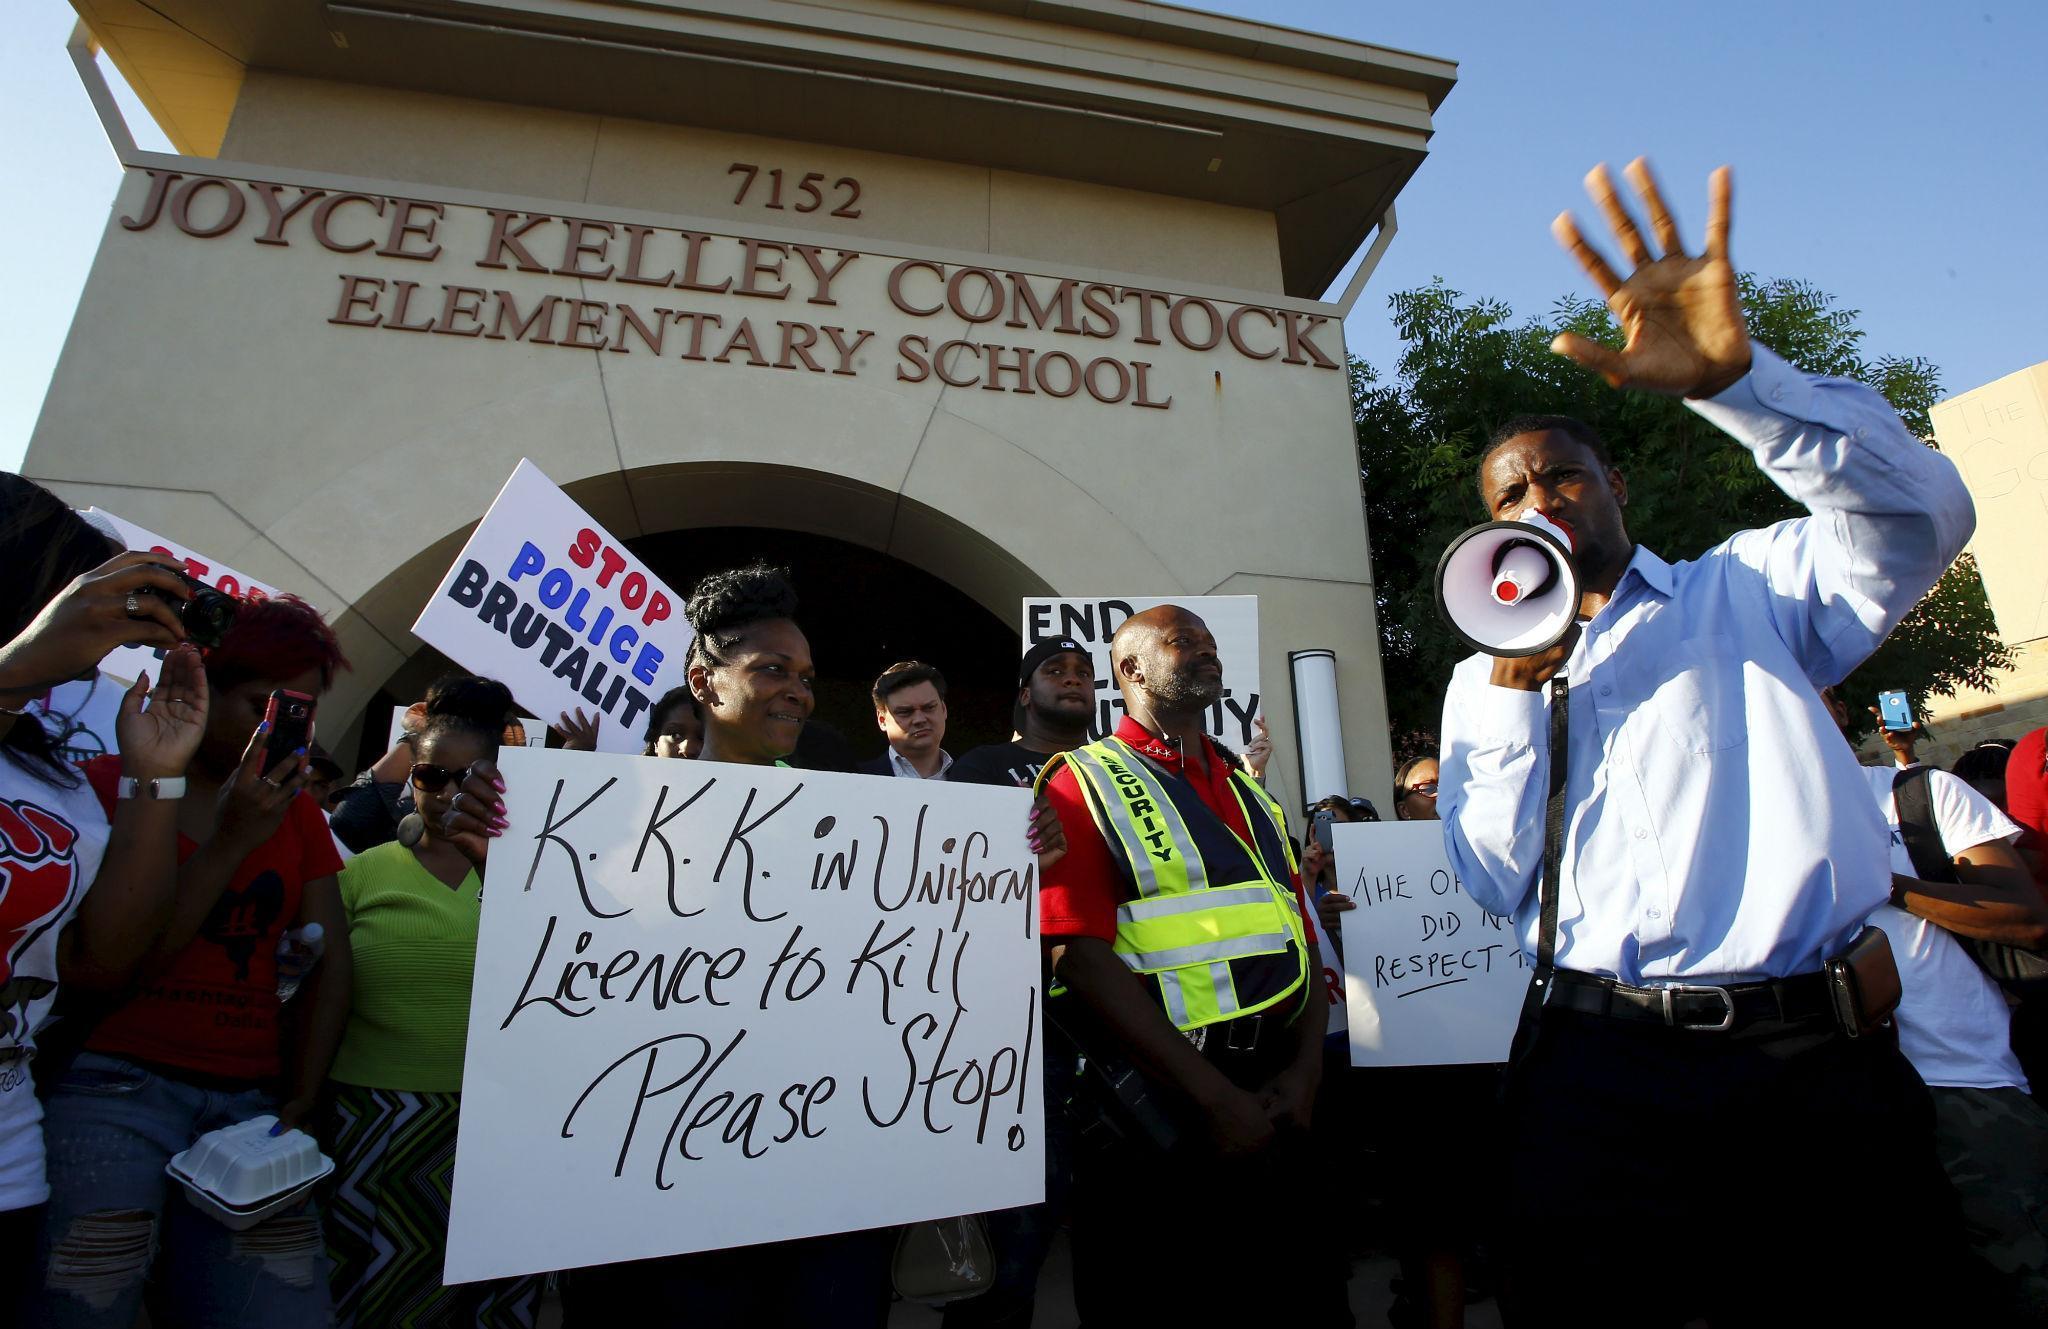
(387, 1226)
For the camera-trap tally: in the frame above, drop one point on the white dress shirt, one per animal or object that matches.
(900, 765)
(1718, 829)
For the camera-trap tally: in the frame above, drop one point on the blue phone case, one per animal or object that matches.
(1896, 712)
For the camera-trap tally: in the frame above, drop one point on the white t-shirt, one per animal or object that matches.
(51, 842)
(1954, 1025)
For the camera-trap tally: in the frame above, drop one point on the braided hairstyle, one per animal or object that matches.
(44, 546)
(469, 705)
(725, 604)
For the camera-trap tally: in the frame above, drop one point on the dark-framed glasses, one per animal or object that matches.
(432, 779)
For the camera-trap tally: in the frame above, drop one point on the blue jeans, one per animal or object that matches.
(117, 1227)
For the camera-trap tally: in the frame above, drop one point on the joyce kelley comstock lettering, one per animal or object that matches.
(702, 265)
(726, 904)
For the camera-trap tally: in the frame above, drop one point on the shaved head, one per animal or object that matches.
(1166, 657)
(1142, 627)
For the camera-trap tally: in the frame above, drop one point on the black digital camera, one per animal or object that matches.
(207, 616)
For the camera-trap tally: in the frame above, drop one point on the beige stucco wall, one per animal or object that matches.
(1998, 437)
(204, 393)
(386, 134)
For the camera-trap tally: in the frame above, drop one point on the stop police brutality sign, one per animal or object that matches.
(545, 600)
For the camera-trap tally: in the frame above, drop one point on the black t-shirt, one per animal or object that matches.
(1009, 764)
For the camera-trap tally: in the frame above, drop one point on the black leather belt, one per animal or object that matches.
(1801, 999)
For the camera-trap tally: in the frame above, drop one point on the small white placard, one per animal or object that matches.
(546, 601)
(1431, 979)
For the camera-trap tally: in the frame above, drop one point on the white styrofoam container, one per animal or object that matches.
(242, 1174)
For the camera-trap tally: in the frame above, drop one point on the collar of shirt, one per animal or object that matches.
(1651, 570)
(904, 770)
(1149, 744)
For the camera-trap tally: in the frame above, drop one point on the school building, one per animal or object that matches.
(943, 304)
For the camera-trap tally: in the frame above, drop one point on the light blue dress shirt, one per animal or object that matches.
(1718, 829)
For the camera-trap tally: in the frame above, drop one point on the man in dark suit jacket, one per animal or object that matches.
(910, 710)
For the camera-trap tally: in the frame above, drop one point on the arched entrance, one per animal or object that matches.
(881, 578)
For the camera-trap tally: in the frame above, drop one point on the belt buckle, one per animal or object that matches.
(1242, 1035)
(1727, 1003)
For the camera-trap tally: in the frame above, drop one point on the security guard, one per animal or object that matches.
(1182, 956)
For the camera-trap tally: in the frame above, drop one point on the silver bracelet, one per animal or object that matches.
(164, 787)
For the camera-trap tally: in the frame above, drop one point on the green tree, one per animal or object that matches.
(1468, 364)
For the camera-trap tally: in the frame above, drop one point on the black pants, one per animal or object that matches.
(1188, 1237)
(839, 1281)
(1657, 1176)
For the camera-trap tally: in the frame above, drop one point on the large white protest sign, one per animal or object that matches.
(543, 599)
(718, 1005)
(1431, 979)
(127, 663)
(1234, 619)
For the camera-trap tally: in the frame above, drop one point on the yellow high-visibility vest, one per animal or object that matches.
(1213, 927)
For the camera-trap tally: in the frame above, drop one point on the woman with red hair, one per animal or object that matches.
(195, 1039)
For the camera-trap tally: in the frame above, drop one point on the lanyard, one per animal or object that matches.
(1553, 844)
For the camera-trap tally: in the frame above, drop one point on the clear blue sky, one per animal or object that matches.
(1895, 154)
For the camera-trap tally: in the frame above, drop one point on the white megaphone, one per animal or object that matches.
(1509, 587)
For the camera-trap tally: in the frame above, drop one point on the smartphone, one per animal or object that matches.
(1896, 712)
(290, 717)
(1321, 830)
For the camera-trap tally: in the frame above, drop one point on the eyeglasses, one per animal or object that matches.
(1427, 788)
(433, 779)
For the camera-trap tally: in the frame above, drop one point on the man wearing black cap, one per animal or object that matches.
(1055, 698)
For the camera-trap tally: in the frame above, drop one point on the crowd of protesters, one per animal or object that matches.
(153, 898)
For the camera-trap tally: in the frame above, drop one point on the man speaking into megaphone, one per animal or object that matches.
(1706, 1116)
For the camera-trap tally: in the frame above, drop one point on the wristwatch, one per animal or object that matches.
(164, 787)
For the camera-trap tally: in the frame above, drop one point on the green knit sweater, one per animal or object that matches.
(414, 942)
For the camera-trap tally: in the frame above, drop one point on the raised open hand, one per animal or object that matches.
(1682, 315)
(160, 740)
(578, 731)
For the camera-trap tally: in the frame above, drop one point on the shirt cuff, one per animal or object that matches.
(1512, 716)
(1757, 404)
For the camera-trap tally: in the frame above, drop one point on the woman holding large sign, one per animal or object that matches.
(750, 671)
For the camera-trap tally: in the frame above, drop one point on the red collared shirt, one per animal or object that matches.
(1079, 895)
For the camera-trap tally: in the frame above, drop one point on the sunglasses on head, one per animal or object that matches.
(433, 779)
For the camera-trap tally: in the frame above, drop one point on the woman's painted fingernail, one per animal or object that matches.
(494, 832)
(263, 727)
(498, 806)
(497, 823)
(498, 784)
(298, 752)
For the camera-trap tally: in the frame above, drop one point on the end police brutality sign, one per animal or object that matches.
(545, 600)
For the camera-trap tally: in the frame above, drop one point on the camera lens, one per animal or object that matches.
(207, 615)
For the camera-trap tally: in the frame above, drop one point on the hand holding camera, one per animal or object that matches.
(133, 599)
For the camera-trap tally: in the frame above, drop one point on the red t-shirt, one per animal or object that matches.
(2026, 795)
(213, 1009)
(1079, 896)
